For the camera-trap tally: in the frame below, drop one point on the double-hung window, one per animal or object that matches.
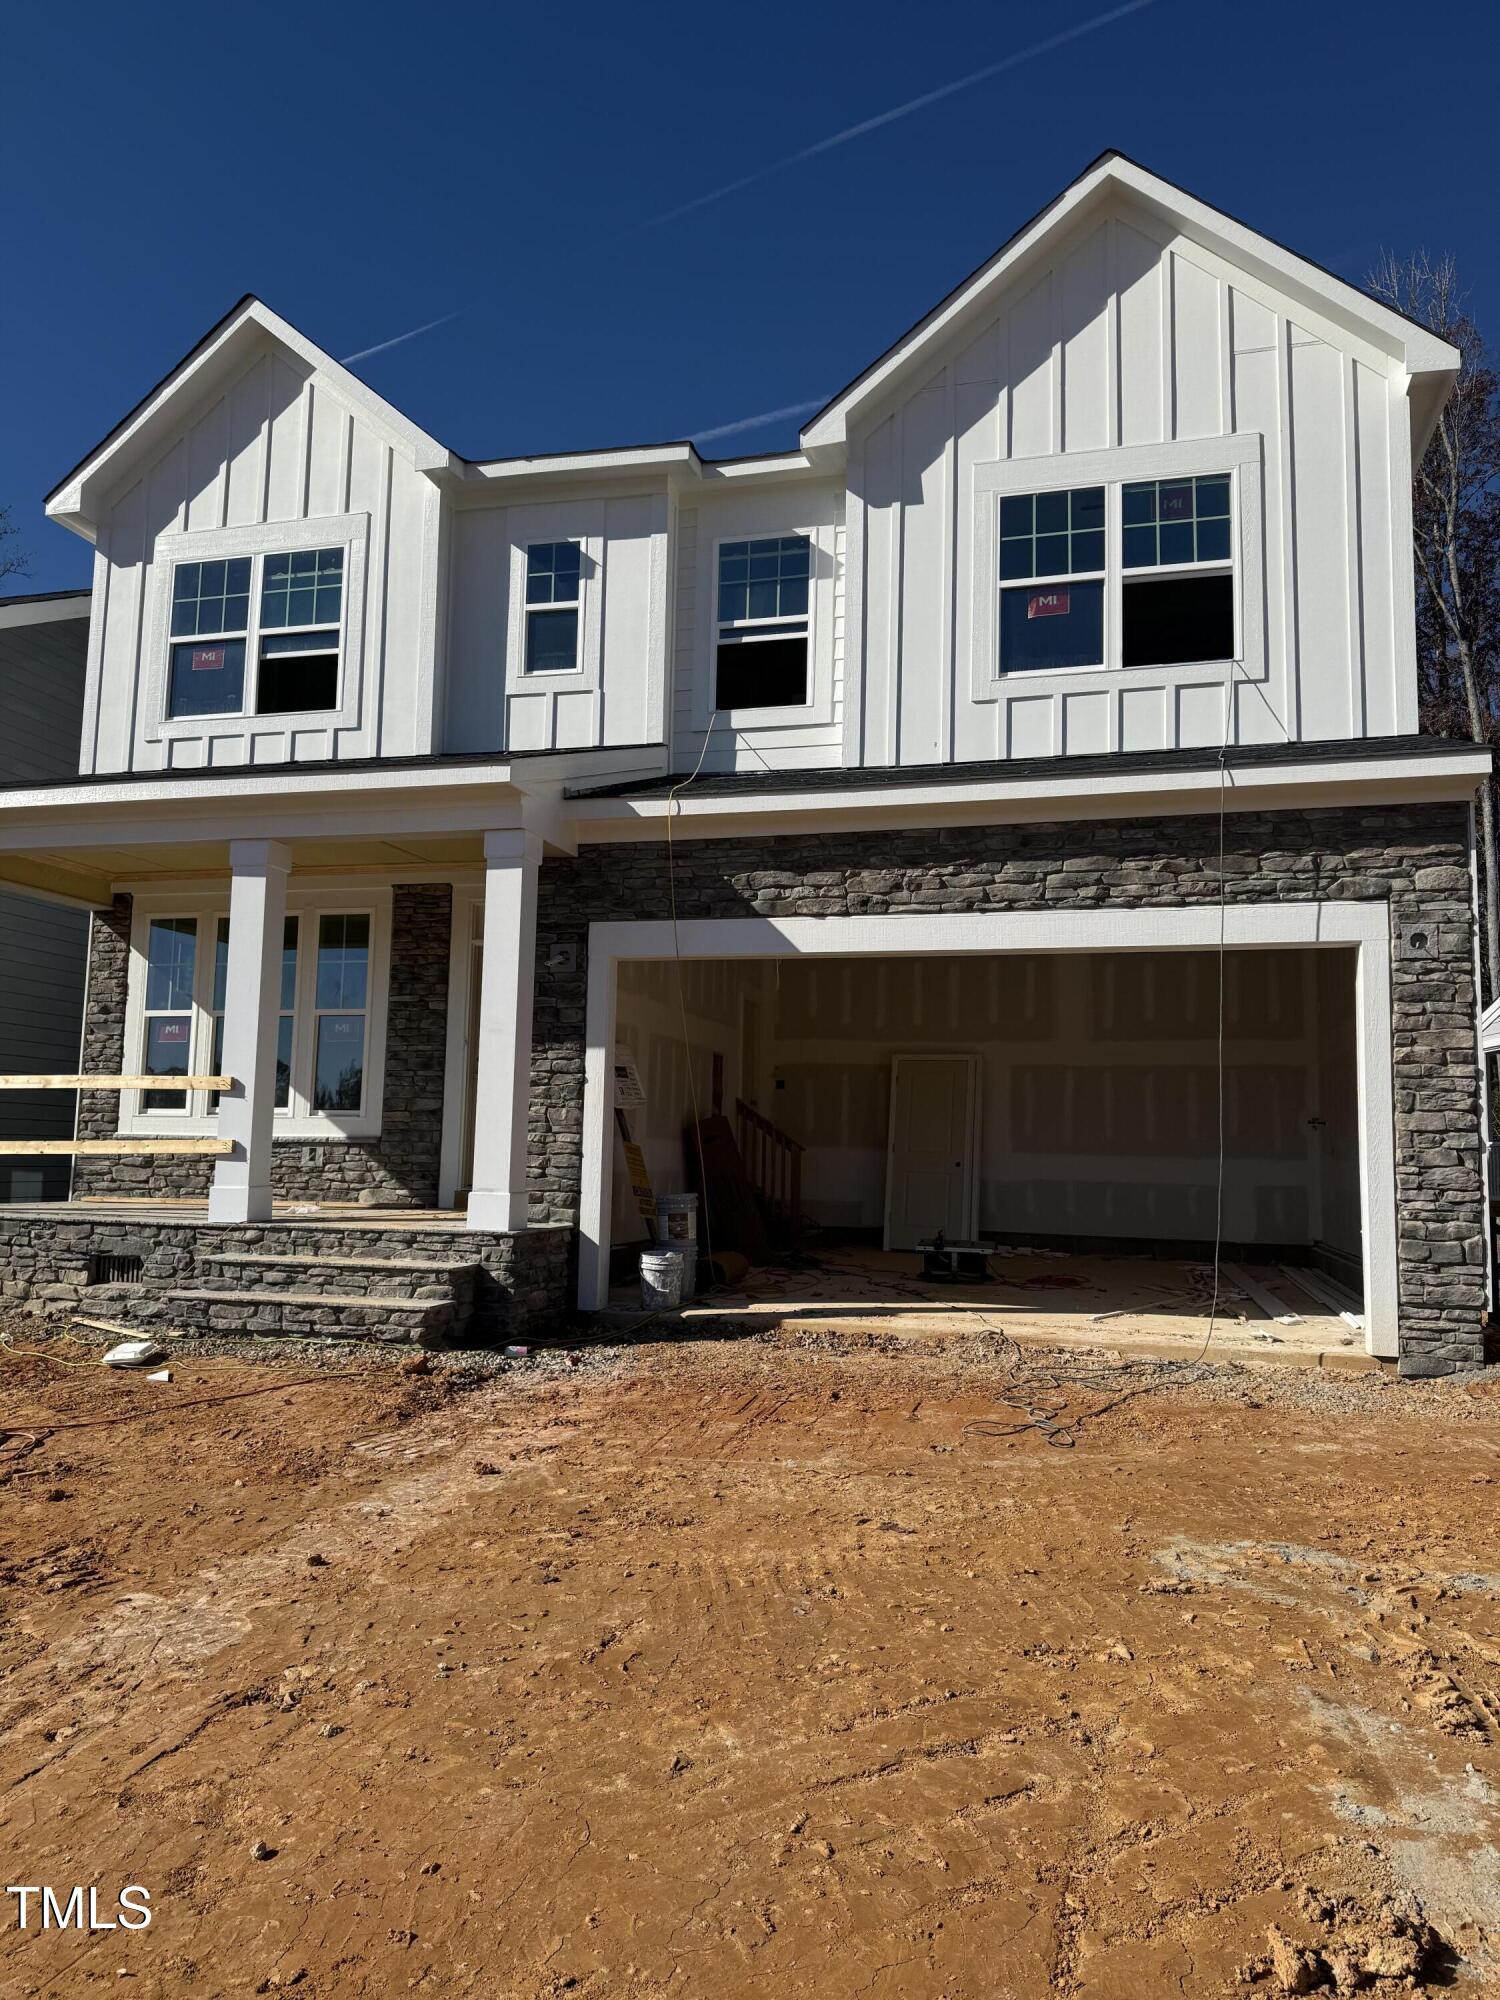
(553, 582)
(285, 1019)
(341, 1001)
(761, 654)
(1052, 580)
(1139, 574)
(167, 1017)
(329, 1005)
(258, 635)
(1177, 599)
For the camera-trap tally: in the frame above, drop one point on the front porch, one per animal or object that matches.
(309, 1269)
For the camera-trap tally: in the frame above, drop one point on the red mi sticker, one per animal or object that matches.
(1049, 604)
(207, 659)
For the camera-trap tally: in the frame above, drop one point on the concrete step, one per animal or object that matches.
(266, 1311)
(383, 1277)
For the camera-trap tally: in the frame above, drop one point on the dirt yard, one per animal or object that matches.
(746, 1669)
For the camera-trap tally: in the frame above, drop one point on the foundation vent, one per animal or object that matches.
(110, 1267)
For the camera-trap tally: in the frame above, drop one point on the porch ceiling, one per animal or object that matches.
(89, 874)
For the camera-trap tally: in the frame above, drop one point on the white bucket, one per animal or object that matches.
(663, 1274)
(677, 1218)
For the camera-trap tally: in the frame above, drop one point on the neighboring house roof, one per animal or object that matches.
(43, 607)
(1489, 1029)
(1429, 362)
(1019, 770)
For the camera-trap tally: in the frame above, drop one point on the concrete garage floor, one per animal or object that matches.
(1136, 1305)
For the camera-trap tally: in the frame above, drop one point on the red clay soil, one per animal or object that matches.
(733, 1671)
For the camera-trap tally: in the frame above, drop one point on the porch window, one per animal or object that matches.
(341, 1000)
(330, 1004)
(761, 659)
(258, 635)
(171, 954)
(285, 1022)
(553, 573)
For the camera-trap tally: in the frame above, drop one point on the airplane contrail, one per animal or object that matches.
(896, 111)
(755, 423)
(380, 346)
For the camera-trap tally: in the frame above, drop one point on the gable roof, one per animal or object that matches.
(74, 500)
(1419, 352)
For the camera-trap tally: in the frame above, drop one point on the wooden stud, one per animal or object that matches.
(11, 1148)
(173, 1083)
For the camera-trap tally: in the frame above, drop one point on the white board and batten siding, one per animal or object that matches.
(269, 462)
(798, 738)
(615, 694)
(1126, 343)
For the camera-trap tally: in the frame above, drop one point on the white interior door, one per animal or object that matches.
(931, 1180)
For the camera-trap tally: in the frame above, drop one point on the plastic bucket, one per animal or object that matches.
(677, 1218)
(663, 1276)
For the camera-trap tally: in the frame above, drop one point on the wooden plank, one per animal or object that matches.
(10, 1148)
(116, 1082)
(1320, 1287)
(1270, 1305)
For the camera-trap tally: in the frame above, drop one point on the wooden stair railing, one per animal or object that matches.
(773, 1161)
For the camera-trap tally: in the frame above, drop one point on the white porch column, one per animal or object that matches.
(241, 1190)
(497, 1199)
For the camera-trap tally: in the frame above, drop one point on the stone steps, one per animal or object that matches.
(267, 1312)
(385, 1277)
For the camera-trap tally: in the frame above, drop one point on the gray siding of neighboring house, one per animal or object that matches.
(43, 947)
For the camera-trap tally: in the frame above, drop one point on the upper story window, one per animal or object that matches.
(1137, 575)
(1052, 579)
(1177, 605)
(257, 635)
(553, 572)
(761, 655)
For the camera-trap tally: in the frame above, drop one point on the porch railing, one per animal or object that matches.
(773, 1162)
(14, 1148)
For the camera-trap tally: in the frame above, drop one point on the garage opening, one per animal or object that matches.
(1058, 1111)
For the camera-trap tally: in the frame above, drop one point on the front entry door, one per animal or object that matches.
(931, 1166)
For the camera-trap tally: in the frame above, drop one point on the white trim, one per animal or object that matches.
(468, 896)
(1351, 312)
(349, 532)
(1363, 926)
(306, 904)
(75, 502)
(1139, 793)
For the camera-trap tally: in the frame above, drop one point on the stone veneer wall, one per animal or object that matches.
(1414, 858)
(400, 1166)
(523, 1284)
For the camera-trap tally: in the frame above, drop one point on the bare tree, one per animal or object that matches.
(13, 561)
(1456, 539)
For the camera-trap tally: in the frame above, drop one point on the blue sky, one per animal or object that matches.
(552, 180)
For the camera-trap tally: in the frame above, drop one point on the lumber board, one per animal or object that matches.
(116, 1082)
(10, 1148)
(1270, 1305)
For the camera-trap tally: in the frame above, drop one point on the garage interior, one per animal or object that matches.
(1063, 1107)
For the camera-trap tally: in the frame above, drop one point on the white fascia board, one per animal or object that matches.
(608, 464)
(45, 611)
(678, 463)
(1393, 780)
(1489, 1028)
(74, 503)
(1410, 346)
